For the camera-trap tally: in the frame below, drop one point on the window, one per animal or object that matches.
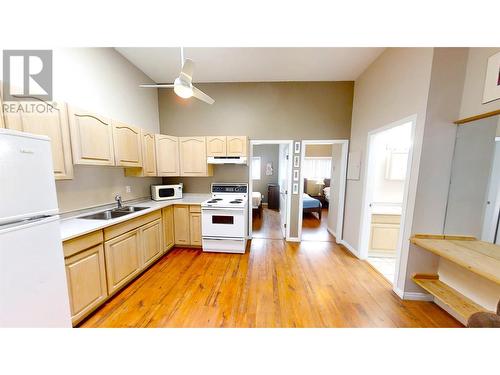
(317, 168)
(256, 168)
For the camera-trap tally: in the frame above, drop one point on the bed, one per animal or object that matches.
(310, 204)
(257, 203)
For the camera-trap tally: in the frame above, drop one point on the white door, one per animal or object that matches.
(492, 204)
(284, 175)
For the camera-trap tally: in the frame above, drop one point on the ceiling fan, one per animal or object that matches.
(183, 85)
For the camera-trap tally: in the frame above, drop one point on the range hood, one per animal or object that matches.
(227, 160)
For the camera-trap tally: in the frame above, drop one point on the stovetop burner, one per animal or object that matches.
(214, 200)
(236, 201)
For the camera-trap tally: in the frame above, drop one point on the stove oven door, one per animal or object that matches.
(223, 222)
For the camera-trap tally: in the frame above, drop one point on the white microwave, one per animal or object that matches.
(165, 192)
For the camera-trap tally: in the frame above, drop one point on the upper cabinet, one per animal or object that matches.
(127, 145)
(216, 146)
(193, 157)
(236, 146)
(167, 155)
(91, 138)
(50, 119)
(148, 154)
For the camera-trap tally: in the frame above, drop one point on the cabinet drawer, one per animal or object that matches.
(194, 208)
(81, 243)
(386, 219)
(119, 229)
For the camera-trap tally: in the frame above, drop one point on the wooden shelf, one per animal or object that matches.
(459, 303)
(481, 258)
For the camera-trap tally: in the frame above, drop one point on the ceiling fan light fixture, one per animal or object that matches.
(184, 90)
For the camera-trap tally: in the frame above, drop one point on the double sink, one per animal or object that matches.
(114, 213)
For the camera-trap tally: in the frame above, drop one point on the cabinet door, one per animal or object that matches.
(123, 259)
(181, 225)
(195, 229)
(168, 227)
(91, 138)
(152, 242)
(216, 146)
(384, 237)
(167, 155)
(149, 154)
(86, 277)
(193, 156)
(128, 145)
(52, 121)
(237, 146)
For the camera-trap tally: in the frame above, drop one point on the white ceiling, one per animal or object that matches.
(162, 65)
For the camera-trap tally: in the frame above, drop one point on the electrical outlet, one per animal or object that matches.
(128, 189)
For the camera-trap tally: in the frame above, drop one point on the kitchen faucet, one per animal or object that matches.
(118, 199)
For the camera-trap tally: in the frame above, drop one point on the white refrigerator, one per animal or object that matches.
(33, 289)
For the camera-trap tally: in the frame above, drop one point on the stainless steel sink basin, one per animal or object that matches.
(129, 209)
(113, 214)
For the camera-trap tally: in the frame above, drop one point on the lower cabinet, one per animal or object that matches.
(123, 259)
(195, 226)
(168, 227)
(152, 242)
(181, 225)
(384, 234)
(187, 225)
(86, 277)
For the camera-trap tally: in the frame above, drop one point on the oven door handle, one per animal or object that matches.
(221, 209)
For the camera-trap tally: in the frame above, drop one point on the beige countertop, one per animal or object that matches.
(74, 226)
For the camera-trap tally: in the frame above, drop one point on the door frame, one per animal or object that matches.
(343, 173)
(407, 205)
(256, 142)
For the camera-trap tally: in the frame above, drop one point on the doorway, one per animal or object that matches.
(269, 189)
(389, 156)
(323, 172)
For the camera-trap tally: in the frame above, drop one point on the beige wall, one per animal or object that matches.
(474, 83)
(318, 151)
(103, 81)
(278, 110)
(393, 87)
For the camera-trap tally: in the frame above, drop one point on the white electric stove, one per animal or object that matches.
(225, 218)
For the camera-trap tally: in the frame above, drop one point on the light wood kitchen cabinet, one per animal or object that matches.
(195, 228)
(123, 259)
(86, 278)
(127, 142)
(167, 155)
(384, 234)
(236, 145)
(216, 146)
(152, 242)
(50, 119)
(168, 227)
(148, 157)
(181, 225)
(91, 138)
(193, 157)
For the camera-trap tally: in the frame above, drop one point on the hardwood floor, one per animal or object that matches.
(267, 226)
(275, 284)
(314, 229)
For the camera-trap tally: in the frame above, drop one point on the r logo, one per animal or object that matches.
(27, 74)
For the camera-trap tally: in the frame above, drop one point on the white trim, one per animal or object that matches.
(349, 247)
(256, 142)
(343, 182)
(331, 232)
(293, 239)
(413, 296)
(450, 311)
(408, 204)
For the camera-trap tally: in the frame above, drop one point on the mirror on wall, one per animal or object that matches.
(474, 195)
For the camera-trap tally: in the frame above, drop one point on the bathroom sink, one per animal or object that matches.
(113, 214)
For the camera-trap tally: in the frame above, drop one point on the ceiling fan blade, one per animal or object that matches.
(198, 94)
(187, 70)
(158, 85)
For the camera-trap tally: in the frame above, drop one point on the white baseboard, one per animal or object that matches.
(349, 247)
(293, 239)
(331, 232)
(450, 311)
(413, 296)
